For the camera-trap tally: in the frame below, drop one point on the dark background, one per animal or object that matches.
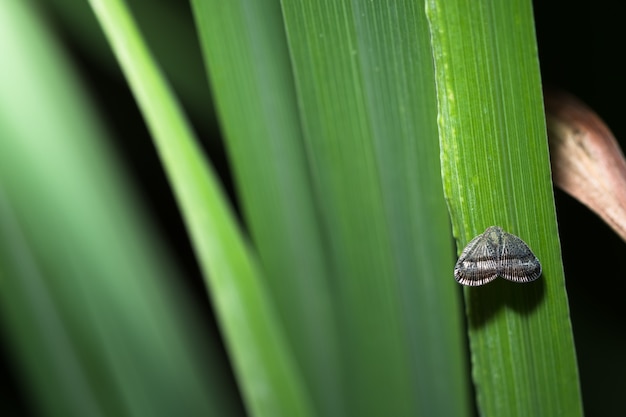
(581, 48)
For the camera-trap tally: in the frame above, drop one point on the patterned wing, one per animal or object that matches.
(517, 262)
(477, 264)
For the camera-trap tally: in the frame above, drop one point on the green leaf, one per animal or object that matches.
(365, 87)
(269, 379)
(496, 171)
(91, 304)
(250, 72)
(176, 49)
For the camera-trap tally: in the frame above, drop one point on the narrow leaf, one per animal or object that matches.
(365, 86)
(496, 172)
(263, 363)
(249, 68)
(92, 311)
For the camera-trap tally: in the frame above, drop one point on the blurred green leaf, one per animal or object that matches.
(248, 64)
(90, 302)
(268, 376)
(169, 31)
(364, 78)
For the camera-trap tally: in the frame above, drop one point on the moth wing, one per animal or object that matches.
(517, 262)
(477, 264)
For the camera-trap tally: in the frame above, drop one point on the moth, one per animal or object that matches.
(496, 253)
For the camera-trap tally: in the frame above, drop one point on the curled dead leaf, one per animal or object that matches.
(587, 162)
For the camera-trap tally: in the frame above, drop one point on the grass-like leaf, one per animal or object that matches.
(176, 49)
(268, 377)
(496, 171)
(248, 64)
(91, 305)
(365, 87)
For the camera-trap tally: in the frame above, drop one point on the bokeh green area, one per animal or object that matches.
(97, 316)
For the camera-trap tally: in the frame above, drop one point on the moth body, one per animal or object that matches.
(496, 253)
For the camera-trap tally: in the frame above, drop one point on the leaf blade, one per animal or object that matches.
(248, 65)
(364, 79)
(496, 171)
(95, 317)
(263, 363)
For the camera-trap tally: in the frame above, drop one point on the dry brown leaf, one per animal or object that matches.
(587, 162)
